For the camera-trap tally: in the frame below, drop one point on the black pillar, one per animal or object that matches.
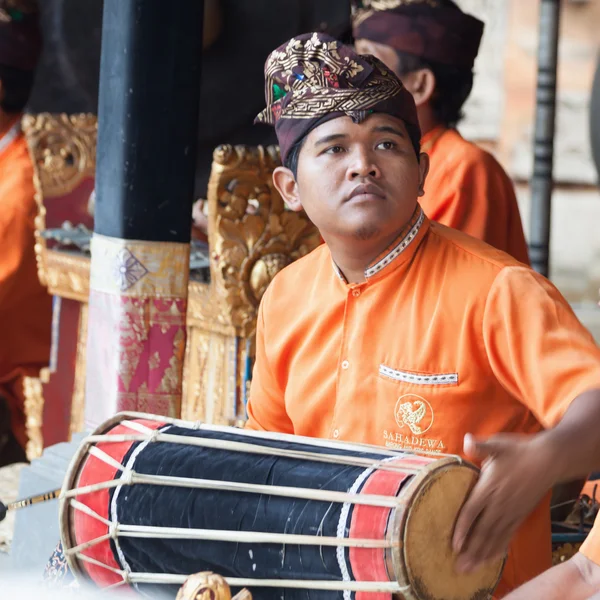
(543, 147)
(148, 124)
(148, 118)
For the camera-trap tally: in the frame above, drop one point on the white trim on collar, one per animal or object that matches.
(394, 253)
(10, 136)
(397, 250)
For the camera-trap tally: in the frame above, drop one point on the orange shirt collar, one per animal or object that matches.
(9, 134)
(431, 137)
(10, 125)
(403, 247)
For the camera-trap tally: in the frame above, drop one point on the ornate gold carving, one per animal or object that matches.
(210, 383)
(206, 310)
(63, 148)
(78, 398)
(68, 276)
(208, 586)
(63, 152)
(34, 411)
(251, 235)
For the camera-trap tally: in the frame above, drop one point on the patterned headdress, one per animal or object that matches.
(314, 78)
(20, 35)
(426, 28)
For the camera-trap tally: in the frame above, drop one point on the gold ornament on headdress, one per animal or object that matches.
(311, 95)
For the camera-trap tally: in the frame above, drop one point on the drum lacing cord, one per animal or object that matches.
(159, 435)
(113, 533)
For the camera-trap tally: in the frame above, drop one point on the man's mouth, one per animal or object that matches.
(366, 191)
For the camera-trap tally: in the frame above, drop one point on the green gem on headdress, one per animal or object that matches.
(278, 92)
(15, 15)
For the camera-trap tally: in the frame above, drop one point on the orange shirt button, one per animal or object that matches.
(336, 433)
(356, 293)
(345, 365)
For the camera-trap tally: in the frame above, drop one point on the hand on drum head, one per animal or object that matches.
(516, 473)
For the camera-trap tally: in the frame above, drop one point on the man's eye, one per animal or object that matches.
(386, 145)
(334, 150)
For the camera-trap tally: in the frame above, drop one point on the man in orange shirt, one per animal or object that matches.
(25, 306)
(432, 45)
(401, 332)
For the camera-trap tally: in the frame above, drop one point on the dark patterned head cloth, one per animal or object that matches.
(20, 35)
(314, 78)
(429, 29)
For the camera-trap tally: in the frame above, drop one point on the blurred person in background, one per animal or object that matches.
(25, 306)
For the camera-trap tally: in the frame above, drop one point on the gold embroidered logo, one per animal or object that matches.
(414, 412)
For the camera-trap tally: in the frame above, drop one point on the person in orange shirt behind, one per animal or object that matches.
(25, 306)
(402, 332)
(432, 47)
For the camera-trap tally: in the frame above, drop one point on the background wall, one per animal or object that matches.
(500, 116)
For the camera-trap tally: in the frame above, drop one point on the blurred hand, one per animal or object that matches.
(516, 473)
(199, 218)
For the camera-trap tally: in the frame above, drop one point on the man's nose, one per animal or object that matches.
(363, 165)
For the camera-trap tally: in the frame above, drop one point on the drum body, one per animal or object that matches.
(150, 501)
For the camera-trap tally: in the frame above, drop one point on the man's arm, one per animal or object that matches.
(575, 579)
(542, 355)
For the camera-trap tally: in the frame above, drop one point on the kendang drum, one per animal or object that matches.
(149, 500)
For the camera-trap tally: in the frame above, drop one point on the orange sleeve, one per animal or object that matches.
(266, 405)
(16, 236)
(471, 197)
(536, 346)
(591, 546)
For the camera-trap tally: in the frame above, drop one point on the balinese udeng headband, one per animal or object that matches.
(314, 78)
(425, 28)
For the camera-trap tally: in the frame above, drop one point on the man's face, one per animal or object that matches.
(359, 180)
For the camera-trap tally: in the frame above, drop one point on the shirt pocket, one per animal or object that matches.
(419, 378)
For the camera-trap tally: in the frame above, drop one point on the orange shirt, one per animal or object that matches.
(447, 336)
(25, 306)
(468, 190)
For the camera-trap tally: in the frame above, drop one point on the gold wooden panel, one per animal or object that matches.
(63, 152)
(251, 235)
(78, 398)
(34, 412)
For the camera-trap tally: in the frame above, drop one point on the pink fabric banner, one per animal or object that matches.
(136, 330)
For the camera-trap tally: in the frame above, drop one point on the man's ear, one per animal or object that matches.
(423, 171)
(286, 185)
(421, 84)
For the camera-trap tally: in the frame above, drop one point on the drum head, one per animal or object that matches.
(428, 556)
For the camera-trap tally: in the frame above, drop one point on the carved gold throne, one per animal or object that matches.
(251, 237)
(63, 152)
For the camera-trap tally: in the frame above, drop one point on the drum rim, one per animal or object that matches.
(396, 556)
(67, 534)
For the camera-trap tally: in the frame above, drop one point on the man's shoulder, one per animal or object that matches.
(466, 251)
(463, 155)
